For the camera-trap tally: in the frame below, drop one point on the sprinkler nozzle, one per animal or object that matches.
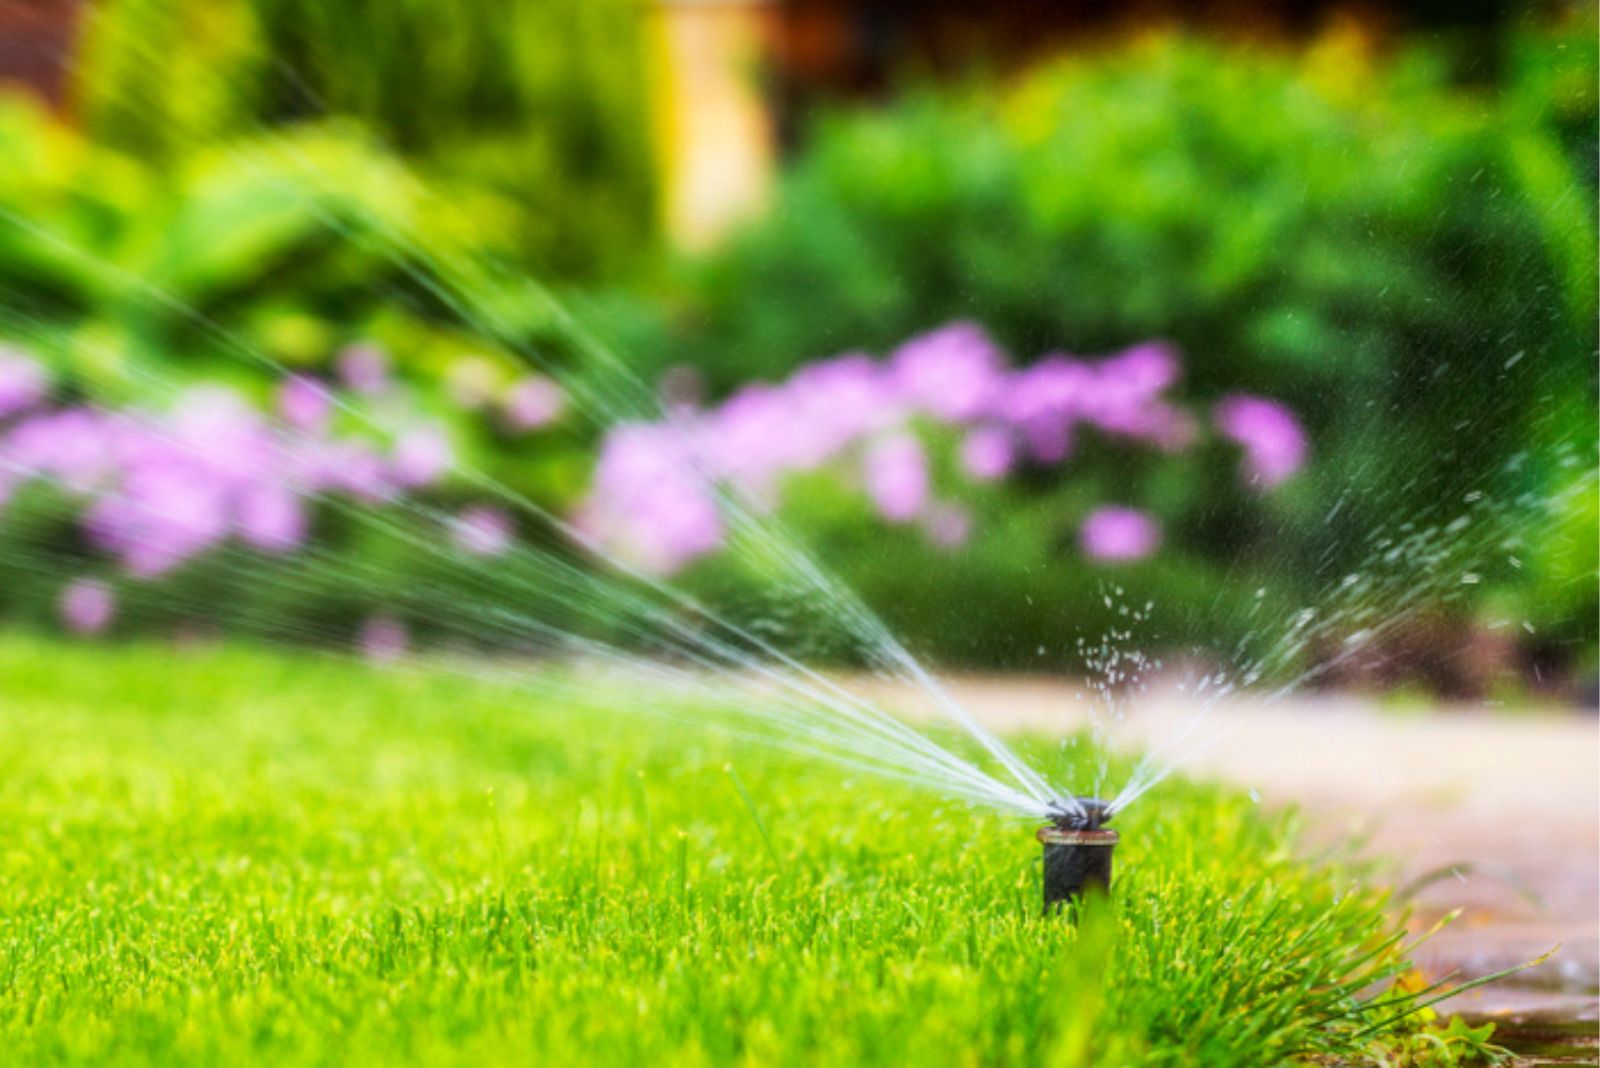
(1077, 850)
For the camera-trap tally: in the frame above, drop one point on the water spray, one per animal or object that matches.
(1077, 850)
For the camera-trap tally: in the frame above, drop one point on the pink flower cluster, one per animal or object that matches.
(159, 490)
(653, 497)
(1274, 444)
(1114, 533)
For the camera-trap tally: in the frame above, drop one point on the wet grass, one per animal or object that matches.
(227, 857)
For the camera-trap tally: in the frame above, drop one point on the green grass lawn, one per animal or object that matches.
(222, 856)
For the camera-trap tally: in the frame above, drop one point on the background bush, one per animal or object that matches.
(542, 104)
(1407, 262)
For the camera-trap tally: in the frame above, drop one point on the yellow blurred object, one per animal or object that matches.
(717, 139)
(1340, 60)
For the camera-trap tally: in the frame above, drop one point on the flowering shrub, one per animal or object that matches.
(1404, 256)
(159, 502)
(1273, 442)
(655, 489)
(1116, 533)
(154, 491)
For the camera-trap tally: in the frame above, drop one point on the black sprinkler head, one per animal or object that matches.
(1080, 814)
(1077, 850)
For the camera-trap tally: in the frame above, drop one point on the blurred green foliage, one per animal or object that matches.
(1408, 263)
(242, 260)
(542, 104)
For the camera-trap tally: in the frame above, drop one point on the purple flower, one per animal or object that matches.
(216, 429)
(1123, 396)
(752, 439)
(1114, 534)
(345, 467)
(364, 367)
(952, 373)
(162, 515)
(87, 606)
(23, 382)
(1145, 369)
(271, 518)
(1044, 401)
(421, 455)
(383, 638)
(988, 453)
(1273, 440)
(1120, 395)
(70, 446)
(482, 531)
(533, 402)
(836, 402)
(672, 525)
(654, 493)
(165, 492)
(304, 403)
(649, 501)
(896, 473)
(636, 455)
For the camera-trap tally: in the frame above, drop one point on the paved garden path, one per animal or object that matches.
(1510, 799)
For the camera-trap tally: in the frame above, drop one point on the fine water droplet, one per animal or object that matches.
(1255, 795)
(1514, 360)
(1471, 578)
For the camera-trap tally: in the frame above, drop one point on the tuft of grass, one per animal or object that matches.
(225, 856)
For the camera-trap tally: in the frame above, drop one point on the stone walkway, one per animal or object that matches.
(1505, 804)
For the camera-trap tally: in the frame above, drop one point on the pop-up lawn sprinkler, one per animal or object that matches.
(1077, 850)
